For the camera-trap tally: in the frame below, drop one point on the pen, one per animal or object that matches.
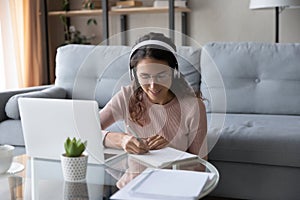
(134, 133)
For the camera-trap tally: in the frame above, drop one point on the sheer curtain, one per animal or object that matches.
(11, 44)
(21, 52)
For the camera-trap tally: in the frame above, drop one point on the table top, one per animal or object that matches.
(46, 180)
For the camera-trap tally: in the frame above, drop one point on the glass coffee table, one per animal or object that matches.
(45, 179)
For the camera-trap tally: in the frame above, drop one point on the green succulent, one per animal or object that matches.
(74, 147)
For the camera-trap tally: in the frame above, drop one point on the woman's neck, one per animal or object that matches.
(170, 96)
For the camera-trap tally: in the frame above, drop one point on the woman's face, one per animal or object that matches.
(155, 78)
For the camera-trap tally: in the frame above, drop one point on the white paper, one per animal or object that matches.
(163, 157)
(172, 184)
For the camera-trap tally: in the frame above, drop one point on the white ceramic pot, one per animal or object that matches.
(6, 157)
(74, 168)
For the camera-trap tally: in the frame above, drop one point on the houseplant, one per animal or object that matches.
(74, 161)
(73, 36)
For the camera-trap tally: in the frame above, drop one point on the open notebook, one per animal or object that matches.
(163, 157)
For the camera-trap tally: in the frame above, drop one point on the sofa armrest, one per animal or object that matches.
(12, 106)
(6, 95)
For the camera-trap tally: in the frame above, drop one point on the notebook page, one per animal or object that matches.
(163, 157)
(170, 184)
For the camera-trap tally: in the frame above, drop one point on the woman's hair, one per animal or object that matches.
(179, 86)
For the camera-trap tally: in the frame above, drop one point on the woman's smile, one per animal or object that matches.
(155, 92)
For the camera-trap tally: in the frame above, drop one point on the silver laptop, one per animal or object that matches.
(47, 123)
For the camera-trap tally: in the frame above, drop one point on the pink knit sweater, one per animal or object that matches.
(182, 121)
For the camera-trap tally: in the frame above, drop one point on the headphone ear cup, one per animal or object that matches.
(176, 74)
(131, 74)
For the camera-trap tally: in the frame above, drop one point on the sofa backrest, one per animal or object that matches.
(258, 77)
(98, 72)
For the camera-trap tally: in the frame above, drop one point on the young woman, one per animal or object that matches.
(159, 107)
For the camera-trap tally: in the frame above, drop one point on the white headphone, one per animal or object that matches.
(153, 42)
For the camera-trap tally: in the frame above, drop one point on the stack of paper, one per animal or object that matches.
(165, 184)
(163, 157)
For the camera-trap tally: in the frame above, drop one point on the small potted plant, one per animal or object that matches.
(74, 161)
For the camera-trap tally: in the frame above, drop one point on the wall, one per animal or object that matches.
(290, 25)
(232, 20)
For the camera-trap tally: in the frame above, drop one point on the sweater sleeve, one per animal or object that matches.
(116, 109)
(198, 131)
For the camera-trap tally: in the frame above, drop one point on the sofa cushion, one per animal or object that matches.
(12, 108)
(261, 139)
(189, 65)
(266, 76)
(98, 72)
(11, 132)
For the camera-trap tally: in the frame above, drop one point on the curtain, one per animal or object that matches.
(33, 57)
(21, 51)
(11, 44)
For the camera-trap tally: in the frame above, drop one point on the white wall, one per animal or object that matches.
(290, 25)
(232, 20)
(229, 20)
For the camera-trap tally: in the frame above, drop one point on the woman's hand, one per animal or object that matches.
(132, 145)
(156, 142)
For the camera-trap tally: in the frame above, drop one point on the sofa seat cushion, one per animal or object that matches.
(11, 132)
(261, 139)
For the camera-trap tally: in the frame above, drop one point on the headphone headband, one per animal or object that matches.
(151, 42)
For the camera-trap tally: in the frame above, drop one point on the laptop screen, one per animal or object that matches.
(47, 123)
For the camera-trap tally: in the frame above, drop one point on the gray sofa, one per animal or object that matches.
(257, 153)
(252, 105)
